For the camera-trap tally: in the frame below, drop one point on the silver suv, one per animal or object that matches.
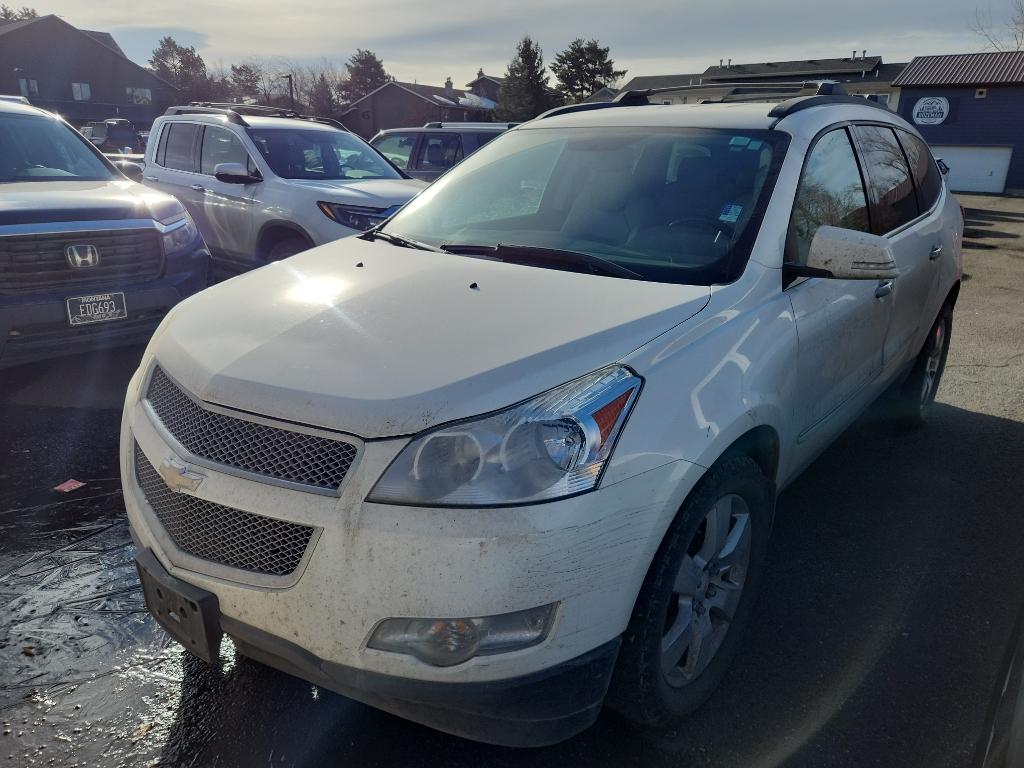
(271, 183)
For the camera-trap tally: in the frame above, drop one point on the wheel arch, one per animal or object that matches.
(953, 295)
(273, 232)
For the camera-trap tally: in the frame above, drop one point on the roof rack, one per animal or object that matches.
(457, 124)
(235, 112)
(807, 93)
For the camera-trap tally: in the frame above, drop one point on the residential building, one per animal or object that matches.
(80, 74)
(862, 75)
(403, 105)
(486, 86)
(969, 107)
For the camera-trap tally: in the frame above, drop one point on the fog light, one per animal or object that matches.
(446, 642)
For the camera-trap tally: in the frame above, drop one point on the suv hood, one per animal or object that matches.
(380, 341)
(34, 202)
(376, 193)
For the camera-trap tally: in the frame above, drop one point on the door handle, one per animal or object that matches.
(883, 289)
(198, 187)
(935, 253)
(152, 178)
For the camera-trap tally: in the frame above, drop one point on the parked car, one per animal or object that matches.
(426, 153)
(263, 188)
(515, 453)
(114, 135)
(87, 258)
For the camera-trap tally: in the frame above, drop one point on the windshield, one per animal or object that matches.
(43, 149)
(676, 205)
(297, 153)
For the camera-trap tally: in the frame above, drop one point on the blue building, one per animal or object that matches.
(970, 109)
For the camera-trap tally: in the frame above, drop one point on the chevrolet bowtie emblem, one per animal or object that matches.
(179, 476)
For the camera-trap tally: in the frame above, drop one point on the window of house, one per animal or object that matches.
(81, 91)
(28, 88)
(890, 185)
(926, 172)
(221, 146)
(178, 145)
(831, 192)
(139, 95)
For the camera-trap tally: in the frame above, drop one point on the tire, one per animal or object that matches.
(647, 688)
(915, 396)
(289, 246)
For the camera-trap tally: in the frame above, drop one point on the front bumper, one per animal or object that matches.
(34, 326)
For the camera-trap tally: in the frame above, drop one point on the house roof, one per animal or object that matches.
(1001, 68)
(661, 81)
(801, 68)
(435, 94)
(483, 76)
(601, 94)
(100, 38)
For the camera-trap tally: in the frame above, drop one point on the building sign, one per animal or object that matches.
(931, 110)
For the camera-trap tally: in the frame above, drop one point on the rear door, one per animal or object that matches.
(399, 148)
(437, 152)
(175, 166)
(841, 324)
(895, 215)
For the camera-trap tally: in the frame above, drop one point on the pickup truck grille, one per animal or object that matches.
(223, 534)
(30, 262)
(282, 454)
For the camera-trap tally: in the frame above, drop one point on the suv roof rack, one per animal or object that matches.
(451, 124)
(235, 112)
(808, 93)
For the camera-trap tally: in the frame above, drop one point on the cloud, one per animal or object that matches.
(429, 41)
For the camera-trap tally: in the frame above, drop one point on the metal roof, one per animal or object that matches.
(1002, 68)
(804, 67)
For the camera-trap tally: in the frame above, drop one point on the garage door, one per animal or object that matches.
(976, 169)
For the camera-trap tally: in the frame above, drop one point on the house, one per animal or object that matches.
(862, 75)
(969, 107)
(487, 86)
(401, 105)
(601, 94)
(80, 74)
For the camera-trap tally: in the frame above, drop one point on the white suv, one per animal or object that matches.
(268, 184)
(515, 453)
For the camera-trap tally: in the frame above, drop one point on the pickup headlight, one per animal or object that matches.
(548, 447)
(361, 217)
(180, 234)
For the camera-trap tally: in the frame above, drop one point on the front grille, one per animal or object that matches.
(28, 262)
(221, 534)
(247, 445)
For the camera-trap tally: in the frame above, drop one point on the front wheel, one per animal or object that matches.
(917, 394)
(289, 246)
(697, 598)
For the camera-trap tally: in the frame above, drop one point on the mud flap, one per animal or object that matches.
(190, 615)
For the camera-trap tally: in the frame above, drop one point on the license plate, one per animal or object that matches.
(189, 614)
(98, 308)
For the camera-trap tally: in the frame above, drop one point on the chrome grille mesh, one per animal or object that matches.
(246, 445)
(221, 534)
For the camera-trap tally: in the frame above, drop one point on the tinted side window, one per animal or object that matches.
(220, 146)
(830, 192)
(440, 151)
(890, 186)
(926, 173)
(178, 152)
(483, 138)
(161, 149)
(397, 147)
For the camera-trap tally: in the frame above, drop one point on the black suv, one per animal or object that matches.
(426, 153)
(87, 257)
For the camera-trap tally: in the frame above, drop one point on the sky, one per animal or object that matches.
(427, 41)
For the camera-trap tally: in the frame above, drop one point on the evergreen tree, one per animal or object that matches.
(245, 81)
(322, 102)
(182, 67)
(17, 14)
(525, 92)
(365, 74)
(583, 68)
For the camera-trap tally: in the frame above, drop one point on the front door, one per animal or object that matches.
(227, 219)
(841, 324)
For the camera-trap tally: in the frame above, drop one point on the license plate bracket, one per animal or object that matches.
(97, 308)
(189, 614)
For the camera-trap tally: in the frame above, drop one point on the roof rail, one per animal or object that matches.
(457, 124)
(636, 98)
(234, 112)
(790, 106)
(197, 109)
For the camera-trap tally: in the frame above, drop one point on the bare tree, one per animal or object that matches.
(1004, 35)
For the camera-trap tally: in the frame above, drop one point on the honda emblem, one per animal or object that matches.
(82, 255)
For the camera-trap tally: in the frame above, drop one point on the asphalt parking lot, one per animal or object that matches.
(894, 576)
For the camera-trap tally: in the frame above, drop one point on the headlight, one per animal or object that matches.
(553, 445)
(361, 217)
(181, 233)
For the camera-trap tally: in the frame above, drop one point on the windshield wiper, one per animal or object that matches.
(404, 242)
(533, 254)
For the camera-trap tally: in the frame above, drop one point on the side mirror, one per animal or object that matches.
(132, 170)
(943, 168)
(846, 254)
(234, 173)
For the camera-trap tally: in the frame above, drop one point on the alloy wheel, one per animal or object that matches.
(707, 591)
(937, 339)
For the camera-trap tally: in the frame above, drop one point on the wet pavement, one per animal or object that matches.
(894, 578)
